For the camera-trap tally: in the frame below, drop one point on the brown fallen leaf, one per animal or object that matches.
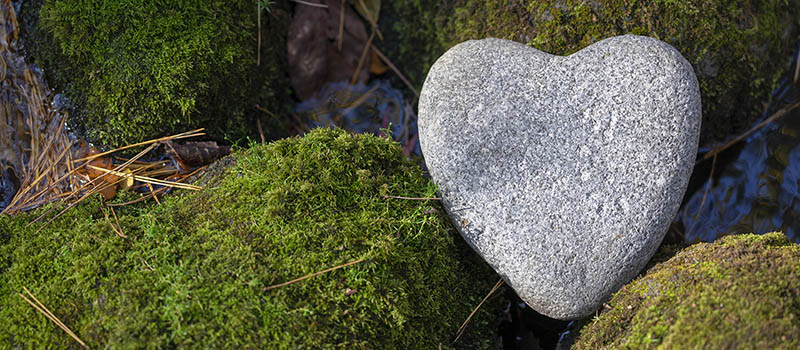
(348, 292)
(377, 67)
(313, 52)
(190, 155)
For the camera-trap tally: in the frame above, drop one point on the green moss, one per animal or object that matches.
(738, 47)
(143, 69)
(740, 292)
(193, 271)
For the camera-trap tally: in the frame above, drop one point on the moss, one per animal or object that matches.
(137, 70)
(741, 291)
(738, 47)
(193, 271)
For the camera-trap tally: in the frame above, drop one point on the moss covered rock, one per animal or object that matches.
(193, 270)
(738, 47)
(739, 292)
(143, 69)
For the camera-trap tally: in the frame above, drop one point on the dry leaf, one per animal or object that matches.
(191, 155)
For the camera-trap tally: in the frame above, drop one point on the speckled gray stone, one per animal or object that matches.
(563, 172)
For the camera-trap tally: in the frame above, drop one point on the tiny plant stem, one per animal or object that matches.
(314, 274)
(49, 315)
(258, 54)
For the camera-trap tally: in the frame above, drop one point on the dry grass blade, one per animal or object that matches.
(775, 116)
(313, 274)
(464, 325)
(44, 311)
(395, 70)
(413, 198)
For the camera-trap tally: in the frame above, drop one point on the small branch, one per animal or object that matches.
(413, 198)
(464, 325)
(44, 311)
(313, 274)
(780, 113)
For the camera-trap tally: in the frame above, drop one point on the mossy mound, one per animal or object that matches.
(738, 48)
(138, 70)
(739, 292)
(193, 271)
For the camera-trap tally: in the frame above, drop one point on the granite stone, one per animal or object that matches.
(562, 172)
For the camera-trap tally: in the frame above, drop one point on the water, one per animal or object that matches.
(362, 109)
(757, 190)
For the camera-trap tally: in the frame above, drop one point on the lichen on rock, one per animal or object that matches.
(741, 291)
(137, 70)
(737, 48)
(193, 271)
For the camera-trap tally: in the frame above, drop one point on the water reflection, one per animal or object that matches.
(362, 109)
(758, 190)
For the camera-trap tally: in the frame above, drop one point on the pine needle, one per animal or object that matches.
(313, 274)
(413, 198)
(50, 316)
(464, 325)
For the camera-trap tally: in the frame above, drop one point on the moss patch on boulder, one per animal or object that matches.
(740, 292)
(137, 70)
(738, 48)
(193, 270)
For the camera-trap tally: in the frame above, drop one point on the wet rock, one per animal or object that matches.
(562, 172)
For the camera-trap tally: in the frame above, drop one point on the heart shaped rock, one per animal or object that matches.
(563, 172)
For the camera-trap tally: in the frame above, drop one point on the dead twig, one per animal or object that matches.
(50, 316)
(313, 274)
(464, 325)
(775, 116)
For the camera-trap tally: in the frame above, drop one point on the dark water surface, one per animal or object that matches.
(754, 187)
